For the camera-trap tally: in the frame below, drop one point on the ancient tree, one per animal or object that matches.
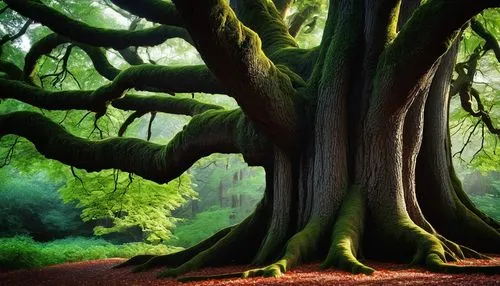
(353, 134)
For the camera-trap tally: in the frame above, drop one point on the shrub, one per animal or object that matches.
(201, 226)
(23, 252)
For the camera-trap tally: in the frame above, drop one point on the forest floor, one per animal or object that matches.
(99, 272)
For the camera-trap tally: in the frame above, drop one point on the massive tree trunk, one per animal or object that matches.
(340, 142)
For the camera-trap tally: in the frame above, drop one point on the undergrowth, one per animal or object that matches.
(23, 252)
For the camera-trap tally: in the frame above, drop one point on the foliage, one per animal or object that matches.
(473, 145)
(202, 226)
(33, 207)
(22, 252)
(128, 202)
(488, 203)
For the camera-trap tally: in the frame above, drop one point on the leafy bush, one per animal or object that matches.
(33, 207)
(488, 203)
(23, 252)
(128, 203)
(200, 227)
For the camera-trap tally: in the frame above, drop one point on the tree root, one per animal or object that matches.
(226, 250)
(303, 246)
(347, 233)
(434, 251)
(146, 262)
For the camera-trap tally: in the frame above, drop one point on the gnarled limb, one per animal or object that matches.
(172, 105)
(283, 6)
(45, 45)
(491, 41)
(195, 78)
(210, 132)
(268, 98)
(262, 17)
(396, 59)
(99, 37)
(12, 71)
(97, 102)
(152, 10)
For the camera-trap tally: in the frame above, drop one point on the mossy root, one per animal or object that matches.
(347, 233)
(431, 252)
(146, 262)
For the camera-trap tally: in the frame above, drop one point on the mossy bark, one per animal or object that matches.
(437, 185)
(340, 139)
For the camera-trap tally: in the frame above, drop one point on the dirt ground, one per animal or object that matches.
(100, 272)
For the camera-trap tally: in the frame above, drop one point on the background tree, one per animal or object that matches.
(352, 134)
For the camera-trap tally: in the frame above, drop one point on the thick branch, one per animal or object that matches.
(51, 100)
(206, 134)
(283, 6)
(100, 37)
(88, 100)
(131, 56)
(172, 105)
(300, 61)
(157, 79)
(265, 94)
(463, 85)
(196, 78)
(300, 17)
(45, 46)
(381, 18)
(11, 70)
(152, 10)
(262, 17)
(442, 21)
(491, 41)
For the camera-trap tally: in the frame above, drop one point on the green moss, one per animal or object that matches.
(303, 246)
(195, 78)
(347, 234)
(262, 17)
(228, 249)
(94, 36)
(299, 61)
(428, 249)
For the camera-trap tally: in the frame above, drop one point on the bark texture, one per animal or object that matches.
(352, 134)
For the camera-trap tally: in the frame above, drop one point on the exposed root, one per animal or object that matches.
(453, 252)
(302, 246)
(276, 269)
(228, 249)
(347, 233)
(432, 252)
(471, 253)
(138, 259)
(146, 262)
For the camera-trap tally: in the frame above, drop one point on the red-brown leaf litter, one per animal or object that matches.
(100, 272)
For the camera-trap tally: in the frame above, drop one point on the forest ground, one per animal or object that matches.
(99, 272)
